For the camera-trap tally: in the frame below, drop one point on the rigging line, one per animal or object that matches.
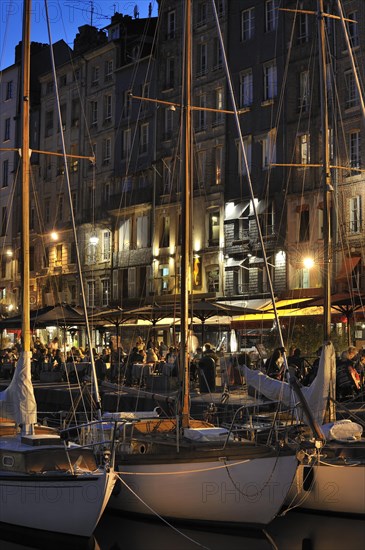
(310, 165)
(96, 385)
(159, 516)
(188, 472)
(351, 54)
(249, 180)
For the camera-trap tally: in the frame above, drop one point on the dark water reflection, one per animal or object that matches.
(296, 531)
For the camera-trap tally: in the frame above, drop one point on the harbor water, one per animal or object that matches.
(295, 531)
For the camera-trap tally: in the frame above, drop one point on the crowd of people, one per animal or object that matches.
(350, 366)
(116, 364)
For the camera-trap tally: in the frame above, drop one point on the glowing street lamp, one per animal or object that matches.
(308, 263)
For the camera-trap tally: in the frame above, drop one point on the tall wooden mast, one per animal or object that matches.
(25, 163)
(186, 214)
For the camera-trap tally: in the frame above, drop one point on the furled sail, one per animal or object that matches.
(316, 394)
(17, 401)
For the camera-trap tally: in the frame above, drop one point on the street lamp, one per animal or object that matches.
(308, 263)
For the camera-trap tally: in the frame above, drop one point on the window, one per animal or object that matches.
(5, 178)
(303, 278)
(4, 220)
(127, 103)
(63, 80)
(171, 24)
(218, 165)
(107, 151)
(105, 292)
(302, 25)
(354, 149)
(247, 24)
(143, 142)
(47, 208)
(202, 14)
(219, 106)
(165, 232)
(7, 129)
(169, 121)
(75, 112)
(355, 214)
(304, 90)
(246, 88)
(167, 175)
(212, 276)
(93, 113)
(48, 123)
(270, 81)
(31, 258)
(145, 92)
(304, 224)
(106, 194)
(202, 59)
(108, 70)
(304, 146)
(60, 208)
(46, 257)
(9, 90)
(63, 109)
(74, 162)
(201, 171)
(124, 235)
(170, 72)
(60, 164)
(219, 4)
(142, 231)
(269, 149)
(164, 274)
(218, 55)
(353, 28)
(91, 293)
(127, 143)
(77, 74)
(74, 201)
(108, 108)
(106, 246)
(214, 229)
(95, 76)
(271, 15)
(352, 93)
(242, 168)
(49, 87)
(202, 114)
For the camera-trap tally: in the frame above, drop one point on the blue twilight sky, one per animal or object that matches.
(65, 18)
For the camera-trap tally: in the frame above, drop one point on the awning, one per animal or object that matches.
(236, 211)
(347, 268)
(231, 262)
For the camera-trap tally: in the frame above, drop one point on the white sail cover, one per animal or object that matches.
(316, 394)
(17, 402)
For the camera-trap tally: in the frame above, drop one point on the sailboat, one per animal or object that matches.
(331, 476)
(46, 483)
(184, 469)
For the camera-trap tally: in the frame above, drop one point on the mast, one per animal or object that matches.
(326, 176)
(327, 190)
(186, 216)
(25, 151)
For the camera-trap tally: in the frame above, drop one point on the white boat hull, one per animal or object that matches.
(71, 506)
(234, 491)
(331, 488)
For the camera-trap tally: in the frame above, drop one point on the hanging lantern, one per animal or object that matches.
(343, 319)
